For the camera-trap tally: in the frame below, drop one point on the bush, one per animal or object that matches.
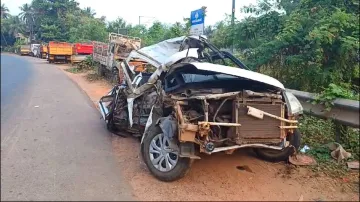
(317, 133)
(87, 64)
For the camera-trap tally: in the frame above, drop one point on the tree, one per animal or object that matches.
(117, 25)
(26, 13)
(89, 12)
(156, 33)
(315, 45)
(176, 30)
(27, 16)
(89, 29)
(4, 12)
(10, 28)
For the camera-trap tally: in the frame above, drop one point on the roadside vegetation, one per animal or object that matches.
(308, 45)
(87, 66)
(317, 134)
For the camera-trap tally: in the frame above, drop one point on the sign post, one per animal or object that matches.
(197, 22)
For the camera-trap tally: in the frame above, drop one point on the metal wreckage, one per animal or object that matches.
(192, 98)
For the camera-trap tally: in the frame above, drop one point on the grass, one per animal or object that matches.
(75, 70)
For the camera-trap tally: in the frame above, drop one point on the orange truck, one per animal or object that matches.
(60, 51)
(43, 51)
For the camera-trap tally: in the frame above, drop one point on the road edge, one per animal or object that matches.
(94, 106)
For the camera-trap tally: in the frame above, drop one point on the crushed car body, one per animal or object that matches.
(192, 98)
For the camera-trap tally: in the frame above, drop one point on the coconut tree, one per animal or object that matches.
(89, 11)
(27, 15)
(13, 26)
(4, 12)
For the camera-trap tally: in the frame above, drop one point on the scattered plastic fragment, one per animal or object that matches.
(304, 149)
(338, 152)
(353, 165)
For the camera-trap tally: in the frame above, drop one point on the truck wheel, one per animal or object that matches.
(115, 76)
(276, 156)
(164, 163)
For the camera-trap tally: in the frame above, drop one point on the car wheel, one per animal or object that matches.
(275, 155)
(164, 163)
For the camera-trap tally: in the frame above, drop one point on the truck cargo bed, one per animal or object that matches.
(60, 48)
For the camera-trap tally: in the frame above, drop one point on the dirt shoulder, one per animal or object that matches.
(219, 176)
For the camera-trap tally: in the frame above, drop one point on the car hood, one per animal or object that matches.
(247, 74)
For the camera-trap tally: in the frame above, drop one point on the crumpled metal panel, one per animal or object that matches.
(163, 50)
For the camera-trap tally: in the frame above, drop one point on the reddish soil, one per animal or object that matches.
(217, 177)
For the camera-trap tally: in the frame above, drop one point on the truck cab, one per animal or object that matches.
(110, 55)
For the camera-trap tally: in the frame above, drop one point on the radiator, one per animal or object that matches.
(255, 130)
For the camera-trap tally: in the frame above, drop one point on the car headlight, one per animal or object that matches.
(294, 105)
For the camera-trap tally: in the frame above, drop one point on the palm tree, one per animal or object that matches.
(14, 26)
(27, 15)
(4, 12)
(89, 11)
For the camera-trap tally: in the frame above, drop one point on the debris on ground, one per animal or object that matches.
(338, 152)
(304, 149)
(353, 165)
(302, 160)
(36, 106)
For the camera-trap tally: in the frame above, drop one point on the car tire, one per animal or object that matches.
(277, 156)
(178, 170)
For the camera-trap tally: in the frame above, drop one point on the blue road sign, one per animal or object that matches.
(197, 17)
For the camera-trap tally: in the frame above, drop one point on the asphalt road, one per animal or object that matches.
(54, 146)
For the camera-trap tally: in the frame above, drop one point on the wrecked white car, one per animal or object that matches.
(193, 98)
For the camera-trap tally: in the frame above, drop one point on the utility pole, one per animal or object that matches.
(233, 26)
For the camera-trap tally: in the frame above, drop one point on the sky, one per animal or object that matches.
(166, 11)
